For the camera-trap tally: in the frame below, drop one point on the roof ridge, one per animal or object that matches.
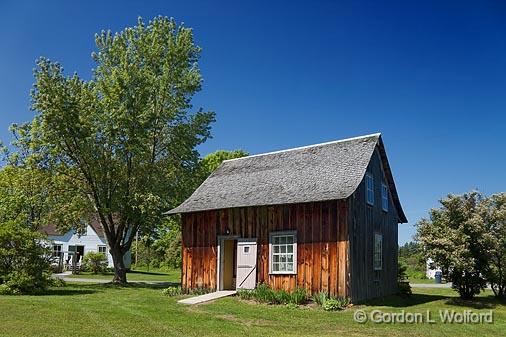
(307, 146)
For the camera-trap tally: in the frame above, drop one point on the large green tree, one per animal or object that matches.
(492, 215)
(454, 237)
(163, 247)
(125, 140)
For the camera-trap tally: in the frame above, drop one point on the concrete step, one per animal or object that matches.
(207, 297)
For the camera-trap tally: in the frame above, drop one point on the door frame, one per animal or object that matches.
(219, 266)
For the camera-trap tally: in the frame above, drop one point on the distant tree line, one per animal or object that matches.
(411, 257)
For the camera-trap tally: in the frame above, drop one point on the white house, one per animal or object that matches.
(431, 269)
(92, 240)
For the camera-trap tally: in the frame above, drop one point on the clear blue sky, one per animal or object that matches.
(430, 76)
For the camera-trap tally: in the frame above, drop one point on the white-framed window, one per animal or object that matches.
(384, 197)
(57, 250)
(378, 251)
(283, 252)
(102, 249)
(369, 184)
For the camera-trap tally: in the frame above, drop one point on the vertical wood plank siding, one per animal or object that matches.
(322, 244)
(365, 220)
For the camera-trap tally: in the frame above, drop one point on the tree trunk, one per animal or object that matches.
(119, 267)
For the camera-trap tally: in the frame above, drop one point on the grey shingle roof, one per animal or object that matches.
(319, 172)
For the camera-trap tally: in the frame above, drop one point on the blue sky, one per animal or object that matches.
(429, 75)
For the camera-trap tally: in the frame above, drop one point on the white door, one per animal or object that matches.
(246, 264)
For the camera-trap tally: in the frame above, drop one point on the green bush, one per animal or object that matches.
(172, 291)
(24, 259)
(95, 262)
(6, 290)
(331, 304)
(299, 296)
(320, 298)
(57, 282)
(246, 294)
(334, 304)
(404, 288)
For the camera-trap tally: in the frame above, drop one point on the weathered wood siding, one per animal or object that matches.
(364, 220)
(322, 244)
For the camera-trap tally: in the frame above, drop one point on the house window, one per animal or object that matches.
(102, 249)
(369, 181)
(384, 197)
(57, 250)
(283, 252)
(378, 251)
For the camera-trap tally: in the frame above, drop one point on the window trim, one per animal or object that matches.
(384, 197)
(60, 252)
(271, 239)
(100, 246)
(377, 235)
(367, 177)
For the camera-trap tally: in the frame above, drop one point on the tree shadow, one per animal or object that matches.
(67, 291)
(140, 272)
(482, 302)
(138, 285)
(403, 301)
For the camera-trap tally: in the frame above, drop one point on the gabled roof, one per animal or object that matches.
(51, 229)
(318, 172)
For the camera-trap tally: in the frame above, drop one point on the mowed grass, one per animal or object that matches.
(155, 275)
(107, 310)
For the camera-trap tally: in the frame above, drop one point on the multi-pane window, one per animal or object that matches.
(378, 251)
(283, 253)
(57, 250)
(369, 183)
(102, 249)
(384, 197)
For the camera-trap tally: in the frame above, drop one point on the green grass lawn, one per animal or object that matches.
(136, 275)
(421, 280)
(106, 310)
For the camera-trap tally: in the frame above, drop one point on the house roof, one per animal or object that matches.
(318, 172)
(51, 229)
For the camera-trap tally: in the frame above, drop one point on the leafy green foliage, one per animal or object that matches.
(125, 141)
(402, 280)
(162, 248)
(246, 294)
(492, 214)
(320, 297)
(95, 261)
(24, 260)
(172, 291)
(411, 256)
(329, 303)
(264, 294)
(404, 289)
(212, 161)
(454, 238)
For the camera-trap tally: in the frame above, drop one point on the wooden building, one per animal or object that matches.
(323, 217)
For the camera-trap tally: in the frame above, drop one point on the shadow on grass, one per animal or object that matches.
(141, 272)
(68, 291)
(129, 285)
(399, 301)
(482, 302)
